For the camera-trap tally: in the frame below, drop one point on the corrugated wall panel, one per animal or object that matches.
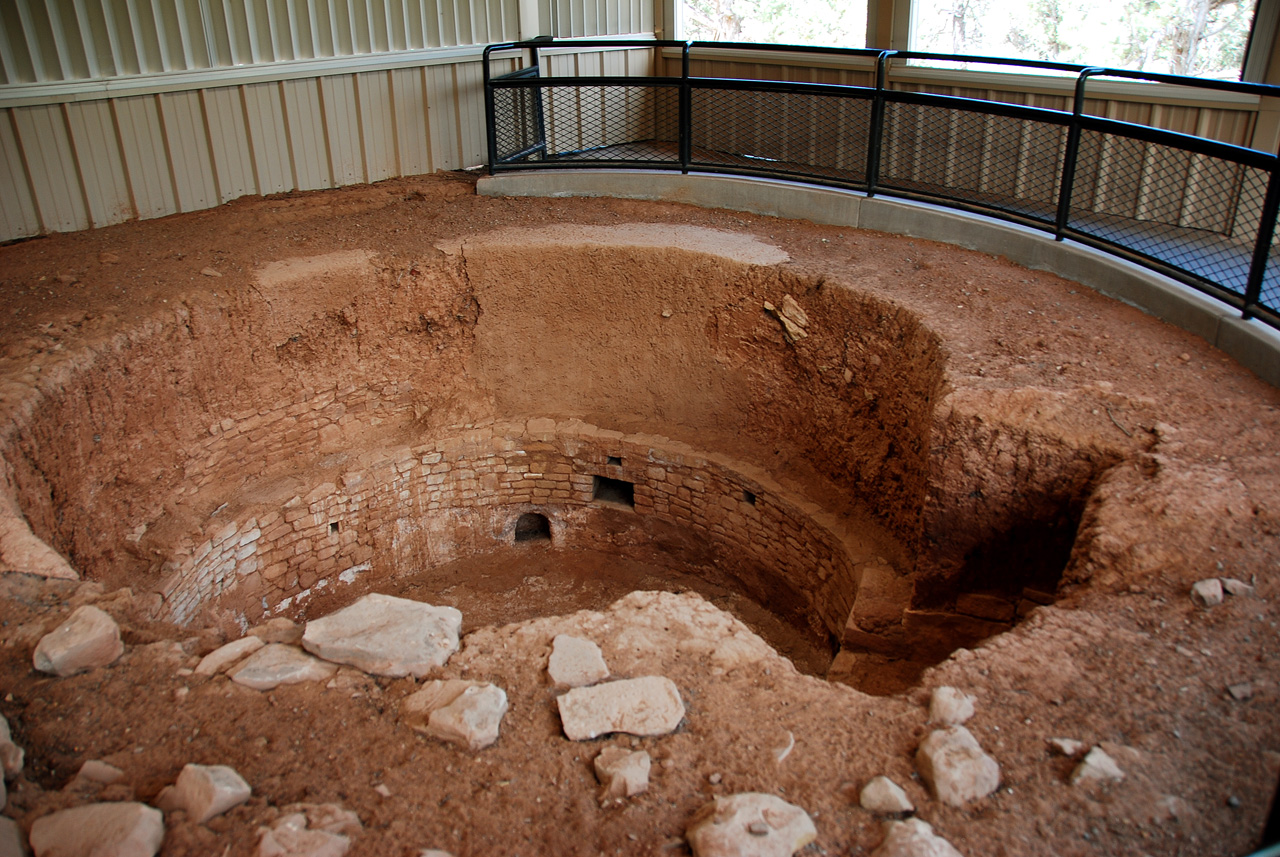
(469, 107)
(145, 157)
(268, 137)
(42, 132)
(186, 136)
(305, 126)
(229, 143)
(342, 128)
(377, 125)
(106, 187)
(409, 100)
(446, 146)
(18, 217)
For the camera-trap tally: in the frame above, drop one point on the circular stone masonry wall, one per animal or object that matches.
(677, 395)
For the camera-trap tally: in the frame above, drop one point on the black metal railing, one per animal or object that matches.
(1199, 210)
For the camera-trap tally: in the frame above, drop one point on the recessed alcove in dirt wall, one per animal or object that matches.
(354, 420)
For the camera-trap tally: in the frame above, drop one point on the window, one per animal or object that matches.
(1202, 38)
(835, 23)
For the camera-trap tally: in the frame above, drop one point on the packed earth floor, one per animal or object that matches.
(1099, 454)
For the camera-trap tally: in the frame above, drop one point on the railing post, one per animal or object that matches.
(490, 114)
(875, 134)
(1068, 177)
(1262, 247)
(686, 110)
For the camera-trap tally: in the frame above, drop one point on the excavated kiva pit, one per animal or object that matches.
(647, 403)
(619, 437)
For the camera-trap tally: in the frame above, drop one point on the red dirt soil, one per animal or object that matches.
(1050, 394)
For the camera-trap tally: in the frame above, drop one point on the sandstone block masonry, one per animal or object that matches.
(411, 507)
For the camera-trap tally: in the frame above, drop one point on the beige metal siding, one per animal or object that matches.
(67, 40)
(119, 109)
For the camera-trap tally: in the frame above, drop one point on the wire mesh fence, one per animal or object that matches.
(1202, 211)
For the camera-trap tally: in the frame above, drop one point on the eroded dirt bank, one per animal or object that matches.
(951, 425)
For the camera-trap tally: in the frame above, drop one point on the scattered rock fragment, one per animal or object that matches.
(882, 795)
(1097, 767)
(950, 706)
(650, 705)
(913, 838)
(463, 712)
(1207, 593)
(749, 824)
(97, 771)
(1242, 692)
(290, 837)
(952, 762)
(126, 829)
(576, 662)
(89, 638)
(11, 755)
(623, 773)
(792, 318)
(204, 791)
(1237, 587)
(277, 664)
(1068, 747)
(224, 656)
(210, 272)
(385, 635)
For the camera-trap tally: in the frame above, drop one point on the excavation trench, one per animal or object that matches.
(534, 421)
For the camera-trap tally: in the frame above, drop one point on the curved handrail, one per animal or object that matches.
(1200, 210)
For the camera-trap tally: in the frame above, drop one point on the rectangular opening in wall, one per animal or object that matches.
(606, 490)
(748, 498)
(333, 528)
(614, 460)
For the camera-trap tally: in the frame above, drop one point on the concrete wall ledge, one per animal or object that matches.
(1255, 345)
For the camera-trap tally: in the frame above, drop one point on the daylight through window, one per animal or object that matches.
(1202, 38)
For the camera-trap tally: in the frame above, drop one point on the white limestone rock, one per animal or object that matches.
(11, 755)
(1237, 588)
(749, 824)
(649, 705)
(953, 764)
(277, 664)
(89, 638)
(125, 829)
(468, 713)
(575, 662)
(204, 791)
(882, 795)
(913, 838)
(385, 635)
(950, 706)
(1207, 593)
(623, 773)
(12, 842)
(1097, 767)
(289, 837)
(99, 772)
(224, 656)
(1068, 747)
